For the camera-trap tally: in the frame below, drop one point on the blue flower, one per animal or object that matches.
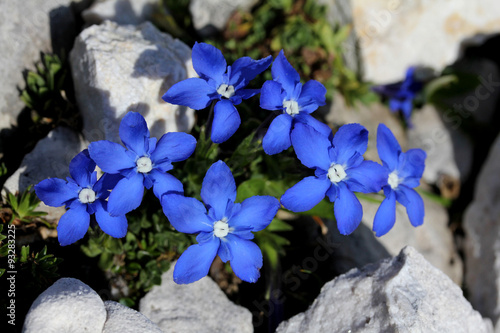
(402, 94)
(224, 227)
(402, 173)
(295, 101)
(144, 163)
(84, 195)
(219, 82)
(340, 170)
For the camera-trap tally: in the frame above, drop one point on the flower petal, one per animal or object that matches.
(194, 93)
(388, 147)
(368, 177)
(256, 212)
(284, 73)
(246, 258)
(414, 205)
(411, 166)
(277, 138)
(348, 210)
(81, 168)
(245, 69)
(218, 188)
(319, 126)
(271, 96)
(243, 94)
(56, 192)
(306, 194)
(311, 147)
(173, 147)
(134, 133)
(164, 183)
(350, 138)
(106, 183)
(127, 195)
(195, 262)
(73, 225)
(115, 226)
(208, 62)
(110, 156)
(386, 215)
(186, 215)
(312, 96)
(226, 121)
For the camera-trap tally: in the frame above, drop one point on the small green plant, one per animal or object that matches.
(24, 206)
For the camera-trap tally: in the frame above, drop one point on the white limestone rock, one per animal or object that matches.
(197, 307)
(402, 294)
(69, 305)
(482, 246)
(121, 319)
(210, 16)
(117, 69)
(120, 11)
(395, 34)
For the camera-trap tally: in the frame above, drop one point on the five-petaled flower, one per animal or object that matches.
(296, 102)
(402, 94)
(402, 173)
(217, 82)
(340, 170)
(144, 163)
(224, 227)
(84, 195)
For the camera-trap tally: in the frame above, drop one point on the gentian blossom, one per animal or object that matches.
(295, 100)
(402, 173)
(340, 170)
(217, 82)
(402, 94)
(143, 163)
(224, 227)
(84, 195)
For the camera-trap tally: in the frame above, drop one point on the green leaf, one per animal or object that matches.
(279, 225)
(324, 210)
(25, 251)
(258, 186)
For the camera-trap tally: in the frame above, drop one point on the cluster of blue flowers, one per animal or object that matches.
(224, 227)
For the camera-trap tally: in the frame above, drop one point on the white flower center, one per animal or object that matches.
(291, 107)
(225, 90)
(336, 173)
(86, 195)
(394, 180)
(221, 228)
(144, 164)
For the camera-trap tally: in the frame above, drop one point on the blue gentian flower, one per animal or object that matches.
(295, 101)
(402, 173)
(402, 94)
(84, 195)
(340, 170)
(217, 82)
(224, 227)
(143, 163)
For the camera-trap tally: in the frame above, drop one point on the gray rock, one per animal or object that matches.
(482, 246)
(117, 69)
(402, 294)
(197, 307)
(121, 319)
(120, 11)
(49, 159)
(210, 16)
(419, 32)
(69, 305)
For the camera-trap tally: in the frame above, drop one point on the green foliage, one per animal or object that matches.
(24, 205)
(41, 266)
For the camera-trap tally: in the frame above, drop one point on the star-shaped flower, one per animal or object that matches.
(143, 163)
(217, 82)
(340, 170)
(402, 173)
(84, 195)
(296, 102)
(224, 227)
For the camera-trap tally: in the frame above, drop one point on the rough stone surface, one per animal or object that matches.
(26, 29)
(69, 305)
(197, 307)
(117, 69)
(210, 16)
(121, 319)
(402, 294)
(420, 32)
(49, 159)
(482, 250)
(120, 11)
